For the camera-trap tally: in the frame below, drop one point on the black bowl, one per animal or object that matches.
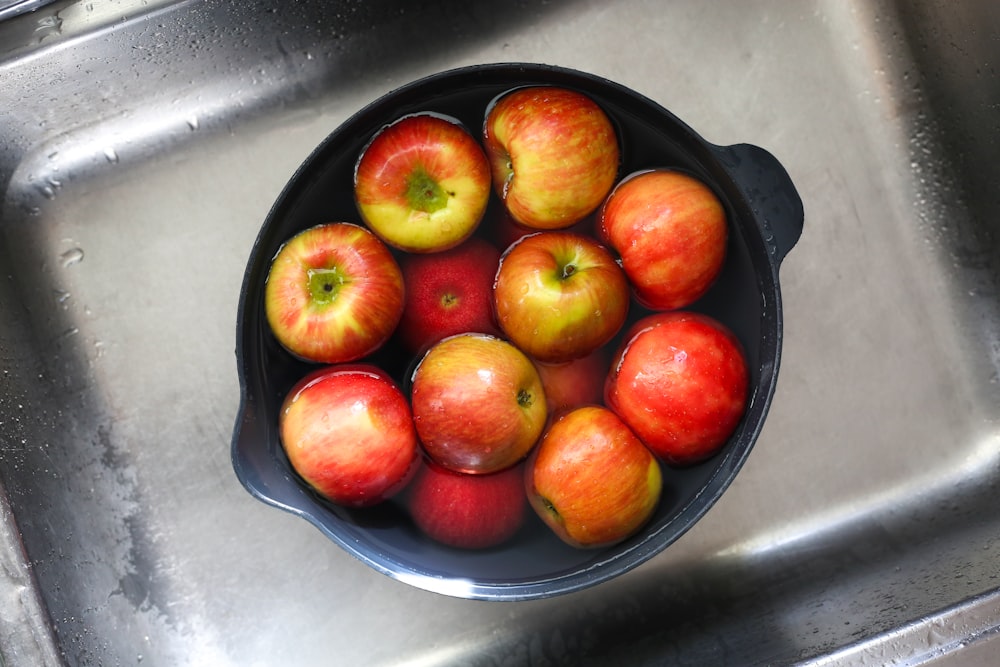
(765, 216)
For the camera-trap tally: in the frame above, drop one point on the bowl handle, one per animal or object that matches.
(768, 189)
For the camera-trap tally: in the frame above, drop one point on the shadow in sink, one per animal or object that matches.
(699, 612)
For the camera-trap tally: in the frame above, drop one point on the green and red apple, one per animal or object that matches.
(670, 230)
(553, 153)
(559, 296)
(468, 511)
(422, 183)
(478, 403)
(334, 293)
(348, 432)
(591, 480)
(680, 381)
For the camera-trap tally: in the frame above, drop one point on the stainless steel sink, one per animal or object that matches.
(141, 146)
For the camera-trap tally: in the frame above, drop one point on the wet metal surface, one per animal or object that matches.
(141, 146)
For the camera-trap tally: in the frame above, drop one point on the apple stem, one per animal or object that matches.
(424, 193)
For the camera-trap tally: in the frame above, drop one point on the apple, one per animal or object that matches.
(448, 293)
(553, 153)
(591, 480)
(670, 230)
(348, 432)
(468, 511)
(559, 296)
(680, 381)
(334, 293)
(575, 383)
(422, 183)
(478, 403)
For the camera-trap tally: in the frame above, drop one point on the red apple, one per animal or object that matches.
(670, 231)
(478, 403)
(575, 383)
(334, 293)
(422, 183)
(348, 432)
(468, 511)
(553, 153)
(560, 296)
(680, 381)
(591, 480)
(448, 293)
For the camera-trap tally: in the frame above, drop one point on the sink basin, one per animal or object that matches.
(143, 143)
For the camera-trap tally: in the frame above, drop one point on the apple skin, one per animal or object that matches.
(334, 293)
(575, 383)
(478, 403)
(591, 480)
(348, 432)
(468, 511)
(448, 293)
(559, 296)
(553, 153)
(670, 230)
(680, 381)
(422, 183)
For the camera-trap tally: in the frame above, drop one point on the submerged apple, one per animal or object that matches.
(334, 293)
(448, 293)
(468, 511)
(422, 183)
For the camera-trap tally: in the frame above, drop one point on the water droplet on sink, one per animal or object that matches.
(71, 257)
(193, 123)
(111, 155)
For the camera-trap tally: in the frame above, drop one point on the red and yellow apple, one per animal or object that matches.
(348, 432)
(422, 183)
(680, 381)
(559, 296)
(591, 480)
(553, 153)
(448, 293)
(670, 230)
(467, 511)
(334, 293)
(478, 403)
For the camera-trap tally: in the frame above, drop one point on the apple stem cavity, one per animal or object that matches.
(550, 508)
(525, 398)
(425, 194)
(324, 284)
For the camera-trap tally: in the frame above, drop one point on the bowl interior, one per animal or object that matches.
(535, 563)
